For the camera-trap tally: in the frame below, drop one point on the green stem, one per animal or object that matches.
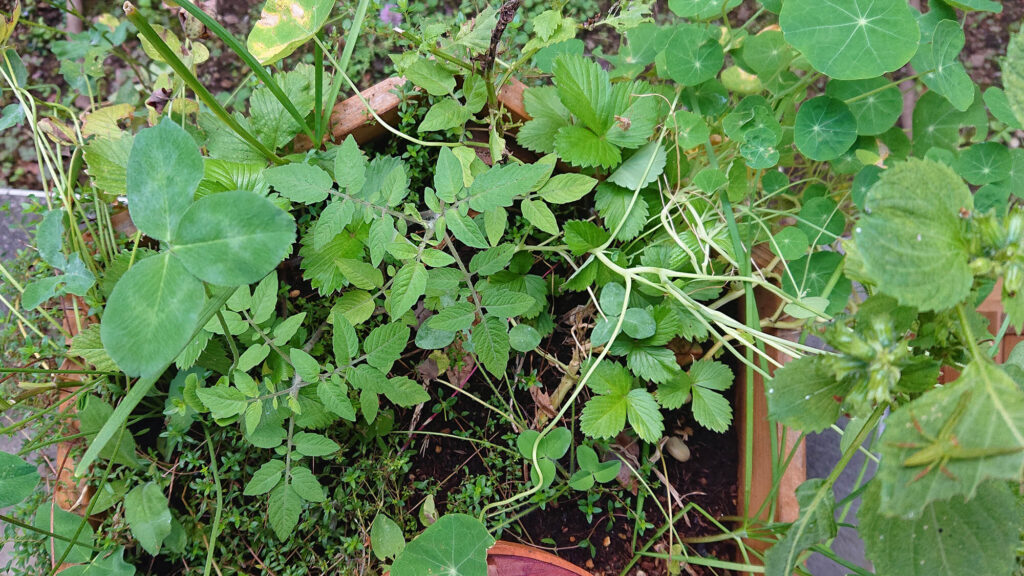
(143, 386)
(238, 48)
(26, 526)
(318, 94)
(186, 75)
(215, 529)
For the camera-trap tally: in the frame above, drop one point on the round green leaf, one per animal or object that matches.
(984, 163)
(151, 314)
(824, 129)
(284, 26)
(921, 265)
(790, 243)
(851, 39)
(939, 63)
(999, 106)
(766, 53)
(875, 112)
(702, 9)
(386, 537)
(863, 182)
(759, 149)
(233, 238)
(612, 295)
(455, 545)
(821, 220)
(524, 337)
(17, 479)
(145, 509)
(692, 56)
(638, 323)
(164, 170)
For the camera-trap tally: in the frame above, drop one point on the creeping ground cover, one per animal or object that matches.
(533, 293)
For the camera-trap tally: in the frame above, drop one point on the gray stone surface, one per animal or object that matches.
(822, 455)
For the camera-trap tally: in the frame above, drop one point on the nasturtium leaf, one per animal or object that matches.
(386, 537)
(984, 163)
(790, 243)
(939, 64)
(821, 220)
(946, 538)
(875, 107)
(18, 479)
(151, 314)
(851, 39)
(384, 344)
(976, 5)
(233, 238)
(407, 287)
(454, 545)
(300, 182)
(702, 9)
(759, 148)
(824, 128)
(863, 182)
(284, 26)
(901, 256)
(802, 394)
(980, 416)
(693, 56)
(491, 343)
(523, 337)
(284, 509)
(164, 170)
(145, 509)
(766, 53)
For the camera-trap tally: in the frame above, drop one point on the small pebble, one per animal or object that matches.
(607, 541)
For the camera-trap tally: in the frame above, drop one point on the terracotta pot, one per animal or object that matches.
(511, 559)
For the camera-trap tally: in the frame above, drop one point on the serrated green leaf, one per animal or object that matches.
(585, 90)
(802, 395)
(490, 342)
(904, 258)
(272, 124)
(620, 211)
(604, 416)
(582, 236)
(305, 365)
(300, 182)
(465, 229)
(355, 305)
(350, 166)
(265, 478)
(946, 538)
(310, 444)
(500, 185)
(547, 117)
(284, 509)
(652, 363)
(505, 303)
(408, 285)
(405, 392)
(384, 344)
(88, 346)
(334, 397)
(492, 260)
(306, 485)
(458, 316)
(223, 401)
(581, 147)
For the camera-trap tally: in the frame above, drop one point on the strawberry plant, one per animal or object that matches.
(307, 297)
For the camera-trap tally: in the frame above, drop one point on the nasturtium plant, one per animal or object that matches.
(591, 275)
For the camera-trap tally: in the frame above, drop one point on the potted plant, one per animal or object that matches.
(589, 271)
